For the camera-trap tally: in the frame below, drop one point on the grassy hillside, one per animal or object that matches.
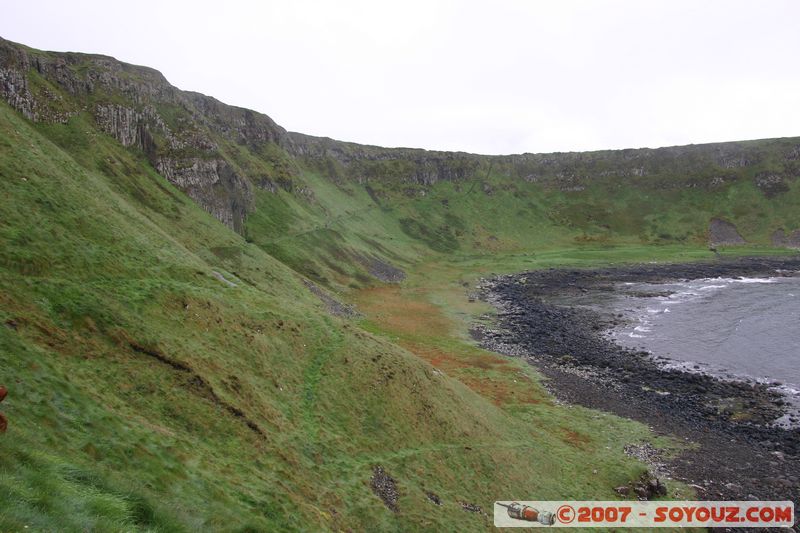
(498, 213)
(170, 370)
(148, 394)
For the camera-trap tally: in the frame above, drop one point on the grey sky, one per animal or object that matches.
(487, 77)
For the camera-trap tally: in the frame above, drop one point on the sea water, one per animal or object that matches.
(730, 327)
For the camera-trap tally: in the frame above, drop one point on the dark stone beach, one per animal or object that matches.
(741, 454)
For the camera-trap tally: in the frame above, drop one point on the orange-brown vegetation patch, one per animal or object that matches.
(573, 438)
(422, 326)
(402, 312)
(502, 392)
(500, 389)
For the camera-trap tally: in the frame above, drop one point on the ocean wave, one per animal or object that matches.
(739, 280)
(789, 390)
(755, 280)
(709, 287)
(683, 297)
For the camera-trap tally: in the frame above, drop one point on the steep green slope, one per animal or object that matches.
(498, 214)
(146, 392)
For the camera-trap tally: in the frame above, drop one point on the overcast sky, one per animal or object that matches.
(487, 77)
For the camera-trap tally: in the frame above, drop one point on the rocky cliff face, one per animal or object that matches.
(723, 233)
(780, 238)
(189, 138)
(130, 103)
(707, 167)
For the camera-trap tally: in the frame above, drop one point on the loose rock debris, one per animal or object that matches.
(433, 497)
(385, 487)
(471, 507)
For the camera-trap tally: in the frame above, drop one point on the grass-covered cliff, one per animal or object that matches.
(169, 266)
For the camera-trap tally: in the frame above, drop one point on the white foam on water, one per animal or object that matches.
(755, 280)
(646, 322)
(711, 287)
(788, 389)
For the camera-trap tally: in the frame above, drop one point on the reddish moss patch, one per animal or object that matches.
(422, 326)
(573, 438)
(399, 312)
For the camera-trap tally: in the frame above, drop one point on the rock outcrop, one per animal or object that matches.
(723, 233)
(212, 183)
(128, 103)
(781, 239)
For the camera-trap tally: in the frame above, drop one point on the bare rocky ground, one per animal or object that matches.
(334, 306)
(739, 453)
(384, 486)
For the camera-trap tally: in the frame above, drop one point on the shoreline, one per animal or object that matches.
(740, 454)
(676, 344)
